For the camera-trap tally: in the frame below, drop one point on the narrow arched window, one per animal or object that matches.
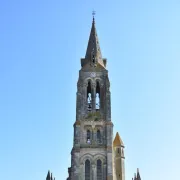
(97, 96)
(98, 136)
(99, 170)
(88, 136)
(89, 98)
(87, 170)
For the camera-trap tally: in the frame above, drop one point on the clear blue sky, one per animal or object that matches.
(41, 43)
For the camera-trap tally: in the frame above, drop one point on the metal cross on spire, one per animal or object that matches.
(93, 13)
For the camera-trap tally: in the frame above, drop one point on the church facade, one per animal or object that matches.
(95, 154)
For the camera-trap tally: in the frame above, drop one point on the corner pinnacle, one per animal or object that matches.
(118, 141)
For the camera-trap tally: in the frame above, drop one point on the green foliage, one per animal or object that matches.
(94, 115)
(96, 119)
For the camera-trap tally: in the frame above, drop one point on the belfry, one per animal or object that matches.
(92, 152)
(95, 154)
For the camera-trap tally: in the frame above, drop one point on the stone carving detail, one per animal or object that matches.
(85, 84)
(101, 85)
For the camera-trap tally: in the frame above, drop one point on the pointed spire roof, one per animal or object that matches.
(48, 176)
(138, 174)
(51, 176)
(93, 45)
(118, 141)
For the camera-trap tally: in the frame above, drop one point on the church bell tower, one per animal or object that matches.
(93, 153)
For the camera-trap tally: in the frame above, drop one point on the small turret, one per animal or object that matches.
(118, 150)
(118, 141)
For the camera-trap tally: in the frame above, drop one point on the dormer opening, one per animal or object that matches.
(93, 58)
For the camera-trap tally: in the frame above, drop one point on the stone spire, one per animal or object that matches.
(138, 174)
(51, 176)
(48, 176)
(93, 51)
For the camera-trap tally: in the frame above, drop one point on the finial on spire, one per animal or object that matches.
(93, 13)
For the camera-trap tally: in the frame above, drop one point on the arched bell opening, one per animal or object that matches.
(97, 96)
(89, 97)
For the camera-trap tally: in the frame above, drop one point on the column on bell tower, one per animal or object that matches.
(84, 98)
(108, 101)
(77, 132)
(79, 95)
(93, 97)
(109, 134)
(102, 100)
